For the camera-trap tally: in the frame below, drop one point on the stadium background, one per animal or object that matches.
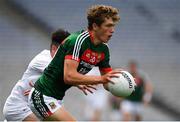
(149, 32)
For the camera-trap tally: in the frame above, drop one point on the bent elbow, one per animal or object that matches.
(68, 79)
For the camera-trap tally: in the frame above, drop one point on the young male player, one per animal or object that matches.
(132, 106)
(76, 56)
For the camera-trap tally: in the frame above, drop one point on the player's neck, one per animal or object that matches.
(94, 38)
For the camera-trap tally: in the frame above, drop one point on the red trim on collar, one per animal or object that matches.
(91, 36)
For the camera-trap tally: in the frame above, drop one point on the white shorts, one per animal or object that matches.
(16, 106)
(43, 106)
(131, 107)
(97, 100)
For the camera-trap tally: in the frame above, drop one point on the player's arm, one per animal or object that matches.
(148, 92)
(148, 89)
(71, 76)
(71, 63)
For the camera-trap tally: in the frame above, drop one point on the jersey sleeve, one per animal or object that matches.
(104, 65)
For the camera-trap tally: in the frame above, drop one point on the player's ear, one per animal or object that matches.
(53, 50)
(95, 26)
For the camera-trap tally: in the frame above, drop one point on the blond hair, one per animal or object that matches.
(98, 13)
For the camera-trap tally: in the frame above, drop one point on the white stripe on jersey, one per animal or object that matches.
(78, 41)
(74, 51)
(81, 44)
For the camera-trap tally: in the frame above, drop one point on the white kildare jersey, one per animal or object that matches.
(16, 106)
(35, 70)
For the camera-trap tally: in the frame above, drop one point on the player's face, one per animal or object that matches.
(133, 68)
(105, 30)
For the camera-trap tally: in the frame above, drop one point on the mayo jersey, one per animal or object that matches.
(141, 79)
(79, 47)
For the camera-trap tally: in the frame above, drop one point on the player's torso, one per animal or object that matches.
(89, 56)
(139, 89)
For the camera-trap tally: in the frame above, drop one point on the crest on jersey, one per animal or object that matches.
(92, 57)
(52, 105)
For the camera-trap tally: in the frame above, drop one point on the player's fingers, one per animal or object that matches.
(84, 91)
(26, 93)
(119, 69)
(92, 87)
(89, 90)
(113, 75)
(115, 72)
(110, 81)
(79, 87)
(31, 83)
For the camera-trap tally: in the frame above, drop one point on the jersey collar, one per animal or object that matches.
(91, 36)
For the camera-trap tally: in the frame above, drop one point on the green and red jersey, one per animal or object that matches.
(79, 47)
(141, 79)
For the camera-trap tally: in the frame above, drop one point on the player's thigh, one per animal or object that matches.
(31, 117)
(138, 108)
(61, 115)
(126, 107)
(46, 107)
(16, 109)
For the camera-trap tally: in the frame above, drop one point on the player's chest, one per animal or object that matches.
(92, 57)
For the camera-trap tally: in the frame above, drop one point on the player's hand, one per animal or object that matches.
(147, 98)
(26, 92)
(86, 88)
(31, 83)
(106, 78)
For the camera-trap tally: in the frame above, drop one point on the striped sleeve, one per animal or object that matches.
(74, 46)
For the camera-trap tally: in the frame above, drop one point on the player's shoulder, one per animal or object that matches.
(43, 56)
(79, 35)
(143, 75)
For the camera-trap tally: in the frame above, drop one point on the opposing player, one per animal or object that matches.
(131, 107)
(76, 56)
(16, 106)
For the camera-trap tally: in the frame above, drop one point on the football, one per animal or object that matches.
(123, 86)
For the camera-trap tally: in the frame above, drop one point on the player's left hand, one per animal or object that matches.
(86, 88)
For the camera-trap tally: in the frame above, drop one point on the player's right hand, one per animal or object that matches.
(106, 78)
